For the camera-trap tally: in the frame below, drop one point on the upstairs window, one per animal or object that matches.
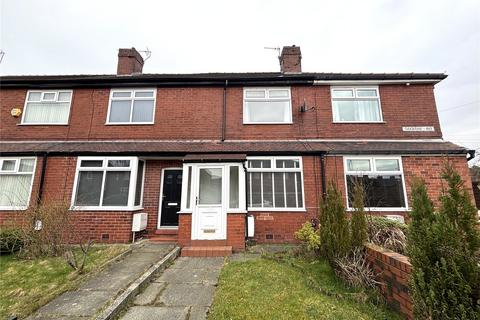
(359, 104)
(382, 179)
(47, 107)
(131, 106)
(16, 177)
(275, 183)
(267, 106)
(112, 183)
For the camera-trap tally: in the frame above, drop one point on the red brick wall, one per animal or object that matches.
(195, 113)
(236, 231)
(185, 229)
(393, 272)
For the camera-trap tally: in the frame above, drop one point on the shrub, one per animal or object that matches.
(387, 233)
(355, 270)
(358, 223)
(11, 240)
(445, 282)
(309, 237)
(334, 228)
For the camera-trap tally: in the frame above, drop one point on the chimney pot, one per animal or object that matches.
(129, 62)
(291, 59)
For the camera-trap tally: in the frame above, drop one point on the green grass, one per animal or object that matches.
(26, 285)
(290, 289)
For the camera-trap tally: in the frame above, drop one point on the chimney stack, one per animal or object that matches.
(290, 60)
(129, 62)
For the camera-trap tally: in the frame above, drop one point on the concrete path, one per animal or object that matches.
(100, 290)
(184, 291)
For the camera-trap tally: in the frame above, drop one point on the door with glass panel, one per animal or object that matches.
(209, 220)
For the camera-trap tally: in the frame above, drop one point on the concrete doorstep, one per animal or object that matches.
(107, 293)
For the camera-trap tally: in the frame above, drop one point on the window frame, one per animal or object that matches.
(267, 99)
(373, 171)
(133, 168)
(42, 93)
(16, 172)
(274, 169)
(132, 99)
(355, 98)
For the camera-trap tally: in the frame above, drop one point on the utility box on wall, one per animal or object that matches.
(139, 222)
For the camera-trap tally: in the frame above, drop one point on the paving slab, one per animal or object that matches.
(198, 313)
(198, 263)
(207, 276)
(188, 294)
(105, 286)
(150, 313)
(149, 295)
(75, 303)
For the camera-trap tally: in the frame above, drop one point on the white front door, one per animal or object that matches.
(209, 214)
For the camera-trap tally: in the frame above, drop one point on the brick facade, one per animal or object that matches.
(198, 113)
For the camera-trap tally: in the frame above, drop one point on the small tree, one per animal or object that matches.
(334, 229)
(445, 277)
(358, 221)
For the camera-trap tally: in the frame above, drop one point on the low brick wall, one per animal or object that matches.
(393, 271)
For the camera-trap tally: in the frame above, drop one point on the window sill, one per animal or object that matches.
(22, 208)
(129, 123)
(91, 208)
(376, 209)
(277, 210)
(269, 123)
(42, 124)
(359, 122)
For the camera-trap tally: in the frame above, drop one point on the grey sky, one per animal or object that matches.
(78, 37)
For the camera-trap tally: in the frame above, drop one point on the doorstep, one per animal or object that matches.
(207, 251)
(164, 236)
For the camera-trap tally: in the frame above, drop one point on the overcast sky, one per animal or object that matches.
(82, 37)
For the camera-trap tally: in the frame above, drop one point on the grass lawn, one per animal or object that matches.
(26, 285)
(290, 289)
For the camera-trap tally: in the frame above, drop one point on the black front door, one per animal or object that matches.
(172, 192)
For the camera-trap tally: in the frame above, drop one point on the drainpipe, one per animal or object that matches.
(224, 110)
(246, 200)
(42, 177)
(324, 180)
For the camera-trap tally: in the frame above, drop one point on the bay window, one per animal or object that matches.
(275, 183)
(16, 179)
(356, 104)
(382, 179)
(110, 183)
(267, 106)
(47, 107)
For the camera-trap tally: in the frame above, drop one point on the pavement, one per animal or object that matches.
(100, 290)
(184, 291)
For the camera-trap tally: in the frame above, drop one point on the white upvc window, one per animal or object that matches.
(131, 106)
(50, 107)
(235, 184)
(267, 106)
(275, 184)
(108, 183)
(16, 180)
(382, 178)
(356, 104)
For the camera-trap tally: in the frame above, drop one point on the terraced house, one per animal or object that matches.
(213, 159)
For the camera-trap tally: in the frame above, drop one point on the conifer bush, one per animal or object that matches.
(334, 228)
(445, 282)
(358, 223)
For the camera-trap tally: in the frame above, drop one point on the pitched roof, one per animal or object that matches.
(181, 148)
(259, 78)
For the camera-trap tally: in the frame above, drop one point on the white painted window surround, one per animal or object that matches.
(51, 107)
(267, 105)
(382, 178)
(356, 104)
(108, 183)
(16, 181)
